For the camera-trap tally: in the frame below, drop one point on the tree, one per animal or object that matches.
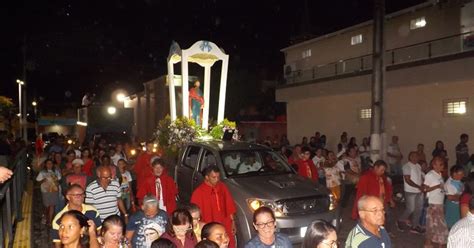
(6, 112)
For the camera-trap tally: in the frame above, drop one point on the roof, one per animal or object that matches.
(360, 25)
(220, 145)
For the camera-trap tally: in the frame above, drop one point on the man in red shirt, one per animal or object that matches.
(306, 167)
(142, 167)
(160, 185)
(215, 202)
(374, 183)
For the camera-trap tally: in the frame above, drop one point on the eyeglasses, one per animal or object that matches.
(181, 229)
(332, 243)
(374, 211)
(266, 224)
(77, 195)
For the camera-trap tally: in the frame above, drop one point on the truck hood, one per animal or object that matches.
(274, 187)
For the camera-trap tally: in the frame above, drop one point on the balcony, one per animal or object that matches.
(451, 45)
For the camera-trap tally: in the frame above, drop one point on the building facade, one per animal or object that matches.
(429, 80)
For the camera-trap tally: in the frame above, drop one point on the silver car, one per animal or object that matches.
(257, 176)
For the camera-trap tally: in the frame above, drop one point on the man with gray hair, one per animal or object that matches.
(462, 233)
(149, 217)
(369, 232)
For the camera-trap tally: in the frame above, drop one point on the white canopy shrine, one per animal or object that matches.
(205, 54)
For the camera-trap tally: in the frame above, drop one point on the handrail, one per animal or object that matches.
(11, 193)
(427, 50)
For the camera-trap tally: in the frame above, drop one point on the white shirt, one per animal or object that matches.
(452, 190)
(318, 161)
(364, 152)
(231, 162)
(244, 167)
(462, 233)
(393, 149)
(436, 196)
(415, 173)
(161, 203)
(116, 157)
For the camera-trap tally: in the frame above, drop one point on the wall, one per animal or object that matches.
(441, 22)
(413, 101)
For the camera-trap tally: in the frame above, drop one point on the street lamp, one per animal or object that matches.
(111, 110)
(120, 97)
(35, 104)
(20, 83)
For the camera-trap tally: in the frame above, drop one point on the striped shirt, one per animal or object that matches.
(105, 201)
(462, 233)
(359, 237)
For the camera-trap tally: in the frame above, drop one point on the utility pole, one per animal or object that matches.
(24, 121)
(378, 83)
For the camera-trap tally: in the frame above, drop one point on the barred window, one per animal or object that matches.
(365, 113)
(455, 107)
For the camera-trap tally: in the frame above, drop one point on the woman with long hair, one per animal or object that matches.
(320, 234)
(49, 177)
(180, 229)
(77, 231)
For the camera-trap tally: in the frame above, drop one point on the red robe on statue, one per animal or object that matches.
(369, 184)
(143, 168)
(168, 188)
(216, 204)
(306, 168)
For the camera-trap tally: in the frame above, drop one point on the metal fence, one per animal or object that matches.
(11, 193)
(450, 45)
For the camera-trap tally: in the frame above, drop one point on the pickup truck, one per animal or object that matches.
(257, 176)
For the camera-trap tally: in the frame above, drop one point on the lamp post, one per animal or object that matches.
(20, 83)
(35, 105)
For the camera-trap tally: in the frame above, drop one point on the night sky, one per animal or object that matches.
(78, 46)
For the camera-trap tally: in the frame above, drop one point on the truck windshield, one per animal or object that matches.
(251, 163)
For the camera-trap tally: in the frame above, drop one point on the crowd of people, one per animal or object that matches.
(97, 196)
(437, 200)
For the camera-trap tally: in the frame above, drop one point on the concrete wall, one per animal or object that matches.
(441, 22)
(414, 106)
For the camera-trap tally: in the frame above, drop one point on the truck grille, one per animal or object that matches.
(298, 206)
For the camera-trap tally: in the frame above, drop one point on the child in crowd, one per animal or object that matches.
(454, 188)
(436, 227)
(318, 161)
(333, 176)
(197, 223)
(49, 177)
(126, 185)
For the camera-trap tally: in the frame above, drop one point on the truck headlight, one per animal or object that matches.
(255, 203)
(332, 202)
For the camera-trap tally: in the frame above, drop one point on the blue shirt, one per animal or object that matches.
(359, 237)
(140, 225)
(281, 241)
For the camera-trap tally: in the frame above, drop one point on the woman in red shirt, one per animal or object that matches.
(306, 167)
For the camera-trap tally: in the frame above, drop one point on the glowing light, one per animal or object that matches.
(111, 110)
(80, 123)
(69, 141)
(34, 103)
(120, 97)
(133, 152)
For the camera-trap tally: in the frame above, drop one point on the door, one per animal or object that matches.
(185, 173)
(207, 159)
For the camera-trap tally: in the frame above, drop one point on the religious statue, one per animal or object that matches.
(196, 103)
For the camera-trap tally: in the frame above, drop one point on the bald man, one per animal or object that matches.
(105, 194)
(369, 232)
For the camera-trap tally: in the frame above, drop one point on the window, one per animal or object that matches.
(455, 107)
(417, 23)
(306, 53)
(192, 157)
(207, 160)
(356, 39)
(365, 113)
